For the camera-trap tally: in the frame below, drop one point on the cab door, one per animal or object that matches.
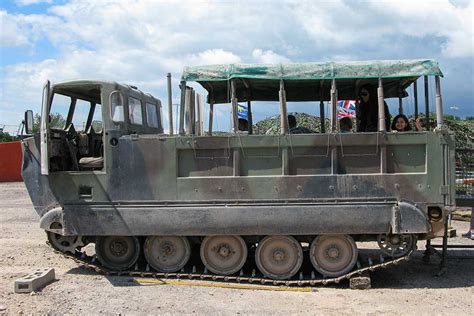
(44, 129)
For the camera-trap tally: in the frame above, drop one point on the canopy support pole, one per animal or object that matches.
(249, 116)
(333, 106)
(187, 110)
(199, 115)
(211, 115)
(181, 107)
(321, 108)
(193, 111)
(400, 100)
(415, 96)
(235, 125)
(170, 105)
(283, 113)
(381, 104)
(439, 104)
(427, 105)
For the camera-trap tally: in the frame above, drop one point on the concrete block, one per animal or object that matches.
(360, 282)
(35, 280)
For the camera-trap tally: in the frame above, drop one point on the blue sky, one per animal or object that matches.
(138, 42)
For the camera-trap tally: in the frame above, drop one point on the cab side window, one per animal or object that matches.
(151, 115)
(116, 104)
(135, 111)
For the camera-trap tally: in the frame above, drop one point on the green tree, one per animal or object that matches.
(6, 137)
(56, 121)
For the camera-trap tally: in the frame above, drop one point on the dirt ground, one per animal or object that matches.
(410, 288)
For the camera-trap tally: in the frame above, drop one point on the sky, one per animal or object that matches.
(138, 42)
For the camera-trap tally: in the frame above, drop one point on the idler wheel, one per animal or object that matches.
(279, 257)
(167, 253)
(224, 255)
(64, 243)
(333, 255)
(396, 245)
(117, 252)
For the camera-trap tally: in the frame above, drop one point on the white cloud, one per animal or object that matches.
(213, 56)
(268, 57)
(383, 25)
(30, 2)
(12, 34)
(138, 42)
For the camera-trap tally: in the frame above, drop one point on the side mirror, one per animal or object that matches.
(29, 122)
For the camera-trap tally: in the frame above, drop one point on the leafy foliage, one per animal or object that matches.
(6, 137)
(56, 121)
(272, 125)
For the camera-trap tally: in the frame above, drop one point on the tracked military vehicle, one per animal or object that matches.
(113, 177)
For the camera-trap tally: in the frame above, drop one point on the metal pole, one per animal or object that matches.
(333, 106)
(199, 114)
(283, 114)
(427, 105)
(235, 124)
(321, 108)
(439, 103)
(170, 104)
(249, 116)
(192, 113)
(415, 96)
(181, 107)
(381, 104)
(188, 118)
(211, 115)
(400, 99)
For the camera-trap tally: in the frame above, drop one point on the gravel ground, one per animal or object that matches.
(410, 288)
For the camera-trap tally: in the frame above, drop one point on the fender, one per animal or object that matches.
(52, 216)
(407, 218)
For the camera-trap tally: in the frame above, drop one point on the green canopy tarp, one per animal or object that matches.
(260, 81)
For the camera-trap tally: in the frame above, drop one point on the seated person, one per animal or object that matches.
(243, 125)
(345, 125)
(295, 129)
(400, 124)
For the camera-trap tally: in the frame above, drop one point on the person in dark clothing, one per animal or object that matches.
(294, 129)
(368, 110)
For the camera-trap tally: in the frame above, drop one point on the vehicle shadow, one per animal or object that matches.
(416, 273)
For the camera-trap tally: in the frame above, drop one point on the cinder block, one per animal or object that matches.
(35, 280)
(360, 282)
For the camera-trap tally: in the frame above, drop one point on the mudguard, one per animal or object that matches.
(52, 216)
(409, 219)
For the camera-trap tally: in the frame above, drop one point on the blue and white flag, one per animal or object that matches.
(243, 111)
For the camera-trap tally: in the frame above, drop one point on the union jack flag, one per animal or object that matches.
(346, 108)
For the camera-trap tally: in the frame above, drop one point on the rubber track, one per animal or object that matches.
(90, 262)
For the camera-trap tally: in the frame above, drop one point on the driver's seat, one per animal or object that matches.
(91, 163)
